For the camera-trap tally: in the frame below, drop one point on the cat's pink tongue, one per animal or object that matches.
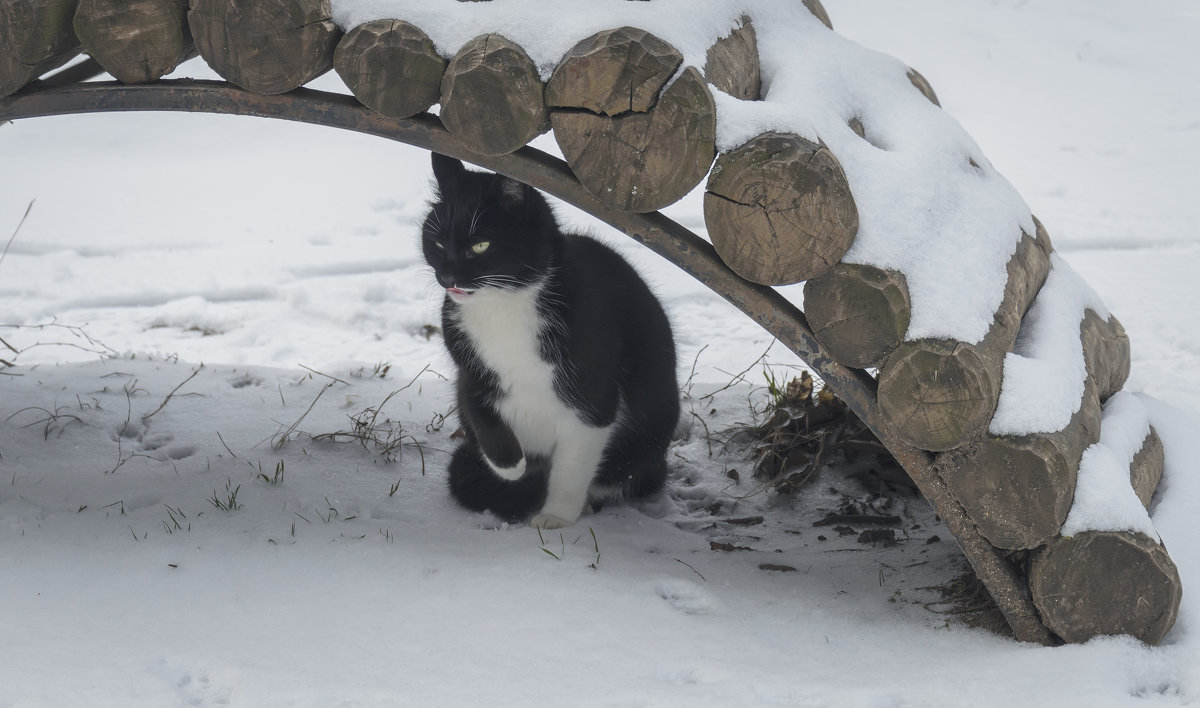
(458, 292)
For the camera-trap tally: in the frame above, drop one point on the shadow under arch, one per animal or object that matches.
(689, 252)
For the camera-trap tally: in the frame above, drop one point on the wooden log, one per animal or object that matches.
(35, 37)
(492, 96)
(391, 67)
(732, 65)
(936, 393)
(1018, 489)
(923, 86)
(816, 8)
(135, 40)
(613, 72)
(1105, 352)
(1105, 583)
(1146, 470)
(265, 46)
(642, 162)
(779, 209)
(858, 313)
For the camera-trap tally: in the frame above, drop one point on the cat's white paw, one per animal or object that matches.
(512, 474)
(546, 522)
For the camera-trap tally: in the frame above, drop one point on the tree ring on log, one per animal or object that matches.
(35, 37)
(268, 46)
(859, 313)
(390, 66)
(135, 40)
(613, 72)
(934, 393)
(779, 209)
(492, 96)
(642, 162)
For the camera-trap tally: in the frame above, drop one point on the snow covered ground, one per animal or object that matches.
(278, 264)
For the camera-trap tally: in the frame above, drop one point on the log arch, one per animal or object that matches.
(60, 95)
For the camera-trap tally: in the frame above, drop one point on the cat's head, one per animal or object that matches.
(485, 231)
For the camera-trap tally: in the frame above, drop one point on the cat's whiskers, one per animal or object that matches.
(475, 220)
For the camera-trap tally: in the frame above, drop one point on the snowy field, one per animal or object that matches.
(200, 301)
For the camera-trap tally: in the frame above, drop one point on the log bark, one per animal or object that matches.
(1104, 583)
(391, 67)
(858, 313)
(492, 96)
(1018, 489)
(613, 72)
(732, 63)
(815, 7)
(35, 37)
(135, 40)
(265, 46)
(642, 162)
(936, 393)
(779, 209)
(923, 86)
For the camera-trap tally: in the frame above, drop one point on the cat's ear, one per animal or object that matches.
(511, 193)
(446, 170)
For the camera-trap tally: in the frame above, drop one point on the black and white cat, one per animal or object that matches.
(566, 362)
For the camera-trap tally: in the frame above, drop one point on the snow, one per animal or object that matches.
(951, 237)
(1104, 498)
(1044, 375)
(259, 247)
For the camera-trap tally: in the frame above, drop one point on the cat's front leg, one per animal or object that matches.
(573, 466)
(497, 442)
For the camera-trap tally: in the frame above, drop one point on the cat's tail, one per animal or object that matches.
(475, 486)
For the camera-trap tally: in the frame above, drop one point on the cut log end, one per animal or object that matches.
(492, 97)
(1106, 583)
(732, 64)
(858, 313)
(935, 393)
(642, 162)
(391, 67)
(613, 72)
(269, 46)
(35, 37)
(135, 40)
(779, 209)
(1146, 470)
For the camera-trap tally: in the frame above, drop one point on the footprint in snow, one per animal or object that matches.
(686, 596)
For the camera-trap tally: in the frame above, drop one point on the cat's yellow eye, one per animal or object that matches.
(481, 247)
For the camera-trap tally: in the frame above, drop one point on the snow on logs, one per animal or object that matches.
(35, 37)
(1018, 489)
(1110, 581)
(936, 393)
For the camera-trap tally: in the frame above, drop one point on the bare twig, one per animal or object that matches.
(166, 400)
(16, 230)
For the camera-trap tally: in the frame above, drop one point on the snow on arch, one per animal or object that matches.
(924, 209)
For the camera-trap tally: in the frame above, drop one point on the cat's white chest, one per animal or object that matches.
(504, 327)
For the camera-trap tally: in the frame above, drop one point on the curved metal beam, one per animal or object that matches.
(688, 251)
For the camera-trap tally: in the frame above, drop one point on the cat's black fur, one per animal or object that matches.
(602, 332)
